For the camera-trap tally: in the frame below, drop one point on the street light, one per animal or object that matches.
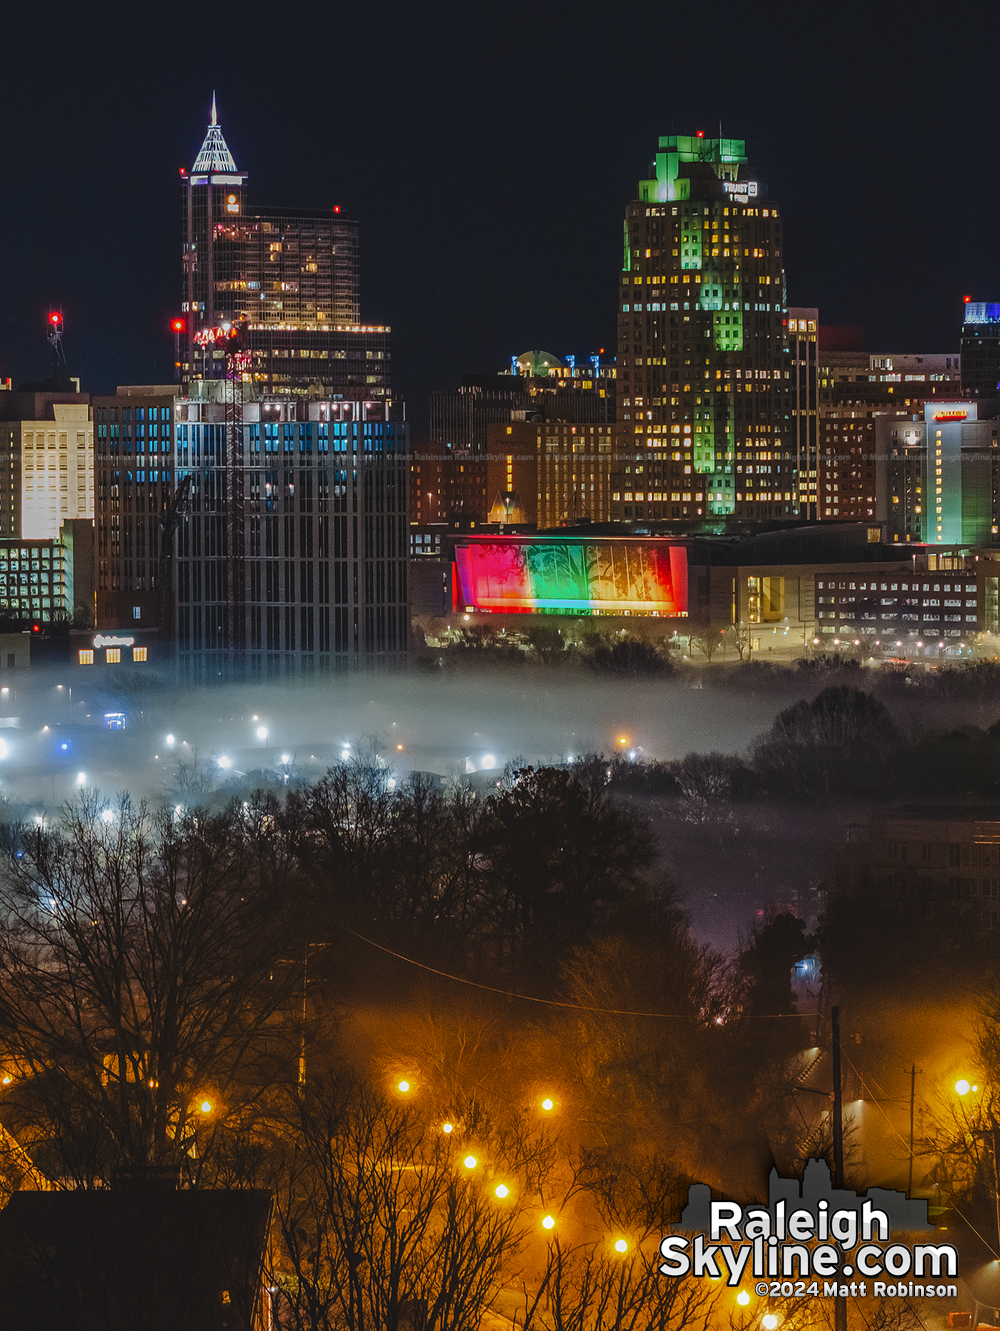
(769, 1321)
(548, 1105)
(447, 1127)
(262, 732)
(548, 1222)
(502, 1190)
(404, 1087)
(743, 1298)
(621, 1246)
(205, 1106)
(470, 1162)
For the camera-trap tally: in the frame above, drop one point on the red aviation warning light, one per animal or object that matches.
(701, 134)
(55, 318)
(177, 325)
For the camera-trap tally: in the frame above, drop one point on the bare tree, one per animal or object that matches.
(708, 642)
(740, 638)
(137, 981)
(381, 1223)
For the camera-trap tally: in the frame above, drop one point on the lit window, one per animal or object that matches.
(113, 655)
(87, 656)
(140, 653)
(137, 612)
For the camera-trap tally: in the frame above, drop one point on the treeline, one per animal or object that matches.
(842, 745)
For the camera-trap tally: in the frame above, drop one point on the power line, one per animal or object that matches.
(553, 1002)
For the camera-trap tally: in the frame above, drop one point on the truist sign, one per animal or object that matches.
(812, 1240)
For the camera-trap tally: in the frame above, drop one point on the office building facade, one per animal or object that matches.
(134, 479)
(289, 276)
(803, 348)
(547, 475)
(321, 579)
(856, 390)
(981, 349)
(704, 379)
(939, 477)
(46, 463)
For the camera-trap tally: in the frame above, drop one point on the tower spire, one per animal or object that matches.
(214, 154)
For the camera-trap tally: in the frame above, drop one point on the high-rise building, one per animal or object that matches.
(939, 477)
(326, 525)
(46, 462)
(803, 342)
(856, 390)
(540, 386)
(133, 450)
(289, 274)
(981, 349)
(545, 475)
(704, 380)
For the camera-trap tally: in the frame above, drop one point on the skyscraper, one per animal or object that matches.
(981, 349)
(324, 563)
(290, 274)
(704, 377)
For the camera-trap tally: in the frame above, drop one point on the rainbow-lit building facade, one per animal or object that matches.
(585, 575)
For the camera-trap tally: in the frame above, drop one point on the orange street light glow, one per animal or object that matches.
(548, 1222)
(470, 1162)
(206, 1106)
(621, 1246)
(743, 1298)
(769, 1321)
(962, 1086)
(447, 1127)
(547, 1104)
(404, 1086)
(502, 1190)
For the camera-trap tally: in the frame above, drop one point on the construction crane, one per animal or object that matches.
(54, 339)
(169, 523)
(228, 337)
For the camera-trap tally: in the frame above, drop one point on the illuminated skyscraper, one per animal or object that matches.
(981, 349)
(704, 377)
(291, 274)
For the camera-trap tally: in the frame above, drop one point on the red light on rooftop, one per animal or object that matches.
(177, 325)
(55, 318)
(701, 134)
(336, 207)
(182, 170)
(968, 300)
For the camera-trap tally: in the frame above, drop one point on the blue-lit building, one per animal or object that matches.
(981, 349)
(310, 574)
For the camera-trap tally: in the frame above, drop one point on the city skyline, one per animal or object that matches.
(483, 200)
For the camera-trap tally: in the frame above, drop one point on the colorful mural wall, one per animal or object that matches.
(580, 576)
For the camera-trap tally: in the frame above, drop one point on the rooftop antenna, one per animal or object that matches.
(215, 116)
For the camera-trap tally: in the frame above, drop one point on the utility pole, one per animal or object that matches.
(838, 1105)
(913, 1087)
(839, 1303)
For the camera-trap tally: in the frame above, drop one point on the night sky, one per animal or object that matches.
(489, 152)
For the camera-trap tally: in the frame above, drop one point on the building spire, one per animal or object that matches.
(214, 156)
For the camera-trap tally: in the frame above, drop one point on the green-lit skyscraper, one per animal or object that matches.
(704, 391)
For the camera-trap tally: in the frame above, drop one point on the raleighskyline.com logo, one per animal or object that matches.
(812, 1239)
